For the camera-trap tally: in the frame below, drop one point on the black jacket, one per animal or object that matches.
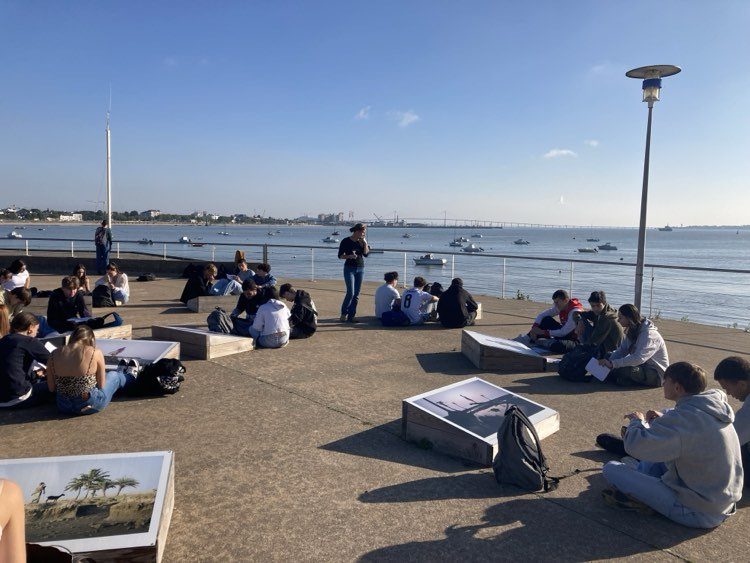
(454, 307)
(197, 286)
(303, 313)
(17, 352)
(250, 306)
(61, 308)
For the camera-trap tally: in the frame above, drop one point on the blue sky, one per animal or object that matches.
(416, 107)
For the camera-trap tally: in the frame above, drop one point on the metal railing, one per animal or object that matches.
(707, 295)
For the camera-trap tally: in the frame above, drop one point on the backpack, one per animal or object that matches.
(520, 460)
(160, 378)
(394, 318)
(219, 321)
(100, 237)
(102, 297)
(146, 277)
(572, 366)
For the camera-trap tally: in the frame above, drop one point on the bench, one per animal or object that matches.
(207, 303)
(501, 355)
(122, 332)
(201, 343)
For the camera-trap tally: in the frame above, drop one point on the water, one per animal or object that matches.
(706, 297)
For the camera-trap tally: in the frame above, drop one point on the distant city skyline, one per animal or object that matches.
(503, 112)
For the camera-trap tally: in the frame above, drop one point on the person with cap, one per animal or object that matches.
(456, 307)
(353, 249)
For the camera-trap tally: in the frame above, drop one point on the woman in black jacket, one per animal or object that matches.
(302, 320)
(21, 385)
(456, 307)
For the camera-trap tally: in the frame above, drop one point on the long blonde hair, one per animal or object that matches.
(4, 321)
(82, 336)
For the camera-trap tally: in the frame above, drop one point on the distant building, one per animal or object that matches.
(153, 213)
(70, 218)
(340, 217)
(215, 217)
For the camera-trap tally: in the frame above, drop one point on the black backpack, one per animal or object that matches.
(572, 365)
(219, 321)
(520, 460)
(161, 378)
(146, 277)
(102, 297)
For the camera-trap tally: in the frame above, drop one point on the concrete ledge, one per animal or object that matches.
(201, 343)
(122, 332)
(207, 303)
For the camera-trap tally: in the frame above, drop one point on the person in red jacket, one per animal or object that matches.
(558, 337)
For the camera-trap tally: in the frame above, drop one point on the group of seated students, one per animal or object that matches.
(454, 307)
(266, 319)
(15, 276)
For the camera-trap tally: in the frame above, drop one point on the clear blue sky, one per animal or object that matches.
(409, 106)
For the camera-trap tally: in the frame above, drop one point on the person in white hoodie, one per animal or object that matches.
(641, 358)
(733, 374)
(691, 467)
(271, 325)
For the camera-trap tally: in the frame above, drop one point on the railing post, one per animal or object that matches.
(502, 294)
(453, 266)
(651, 295)
(118, 250)
(403, 284)
(165, 251)
(27, 247)
(265, 254)
(72, 251)
(213, 254)
(572, 265)
(312, 264)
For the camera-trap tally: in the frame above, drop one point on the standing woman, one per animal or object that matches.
(353, 249)
(83, 280)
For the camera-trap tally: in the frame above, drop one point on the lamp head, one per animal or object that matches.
(651, 76)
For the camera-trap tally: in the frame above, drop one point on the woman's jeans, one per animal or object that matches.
(276, 340)
(98, 398)
(645, 485)
(353, 277)
(120, 295)
(226, 287)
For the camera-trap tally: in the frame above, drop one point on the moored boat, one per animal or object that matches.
(521, 241)
(429, 260)
(607, 246)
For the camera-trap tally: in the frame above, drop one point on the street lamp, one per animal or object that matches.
(651, 76)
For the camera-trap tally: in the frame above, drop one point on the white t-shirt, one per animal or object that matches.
(385, 295)
(18, 280)
(413, 304)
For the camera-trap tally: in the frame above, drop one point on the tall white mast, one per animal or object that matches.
(109, 167)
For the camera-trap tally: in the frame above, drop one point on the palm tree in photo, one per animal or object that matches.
(123, 482)
(77, 484)
(95, 480)
(107, 484)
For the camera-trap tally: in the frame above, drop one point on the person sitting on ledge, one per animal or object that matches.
(456, 307)
(263, 277)
(66, 303)
(641, 358)
(76, 373)
(733, 374)
(16, 300)
(250, 299)
(21, 385)
(415, 301)
(5, 277)
(83, 280)
(303, 317)
(271, 326)
(557, 337)
(116, 281)
(19, 276)
(388, 302)
(242, 272)
(199, 285)
(691, 467)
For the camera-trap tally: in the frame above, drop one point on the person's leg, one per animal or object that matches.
(562, 345)
(359, 275)
(219, 287)
(242, 326)
(254, 333)
(120, 295)
(630, 376)
(548, 323)
(472, 317)
(349, 281)
(746, 462)
(234, 288)
(100, 263)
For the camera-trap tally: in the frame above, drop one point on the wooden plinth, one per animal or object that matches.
(201, 343)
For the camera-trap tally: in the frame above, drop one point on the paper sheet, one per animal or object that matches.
(600, 372)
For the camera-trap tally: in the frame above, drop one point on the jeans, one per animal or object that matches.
(645, 485)
(226, 287)
(102, 258)
(120, 295)
(241, 327)
(353, 277)
(277, 340)
(98, 398)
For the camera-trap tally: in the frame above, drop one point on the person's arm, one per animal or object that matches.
(109, 238)
(86, 286)
(237, 311)
(259, 321)
(101, 374)
(567, 328)
(13, 544)
(104, 280)
(658, 442)
(27, 283)
(270, 281)
(644, 348)
(365, 247)
(342, 250)
(471, 305)
(121, 282)
(551, 312)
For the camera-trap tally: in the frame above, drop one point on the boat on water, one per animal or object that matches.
(406, 235)
(223, 233)
(145, 241)
(607, 246)
(521, 241)
(14, 234)
(455, 243)
(462, 239)
(332, 240)
(472, 248)
(666, 228)
(198, 244)
(41, 229)
(270, 234)
(429, 260)
(183, 240)
(278, 231)
(335, 233)
(592, 240)
(476, 235)
(587, 250)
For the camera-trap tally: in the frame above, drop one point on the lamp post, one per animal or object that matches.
(651, 76)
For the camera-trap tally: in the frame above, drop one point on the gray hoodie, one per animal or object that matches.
(699, 445)
(649, 348)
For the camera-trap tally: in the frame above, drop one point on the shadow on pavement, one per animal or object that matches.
(448, 363)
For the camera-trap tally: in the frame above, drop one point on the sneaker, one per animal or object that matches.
(134, 368)
(618, 499)
(523, 339)
(122, 365)
(612, 444)
(342, 318)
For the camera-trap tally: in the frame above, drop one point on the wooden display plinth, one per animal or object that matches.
(122, 332)
(207, 303)
(499, 354)
(462, 419)
(201, 343)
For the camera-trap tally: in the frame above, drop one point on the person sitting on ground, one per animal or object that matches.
(66, 303)
(12, 526)
(21, 385)
(733, 374)
(250, 300)
(691, 467)
(242, 272)
(415, 302)
(271, 326)
(641, 358)
(19, 276)
(4, 321)
(599, 334)
(557, 337)
(16, 300)
(116, 281)
(456, 307)
(388, 300)
(76, 373)
(303, 316)
(83, 280)
(263, 277)
(199, 285)
(5, 277)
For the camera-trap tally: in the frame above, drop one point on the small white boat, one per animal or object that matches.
(607, 246)
(461, 239)
(429, 260)
(476, 235)
(330, 239)
(145, 241)
(472, 248)
(592, 240)
(224, 233)
(521, 241)
(184, 240)
(406, 235)
(455, 243)
(588, 250)
(14, 234)
(667, 229)
(270, 234)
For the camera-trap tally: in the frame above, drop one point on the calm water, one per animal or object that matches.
(707, 297)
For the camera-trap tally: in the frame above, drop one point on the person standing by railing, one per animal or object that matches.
(103, 243)
(353, 249)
